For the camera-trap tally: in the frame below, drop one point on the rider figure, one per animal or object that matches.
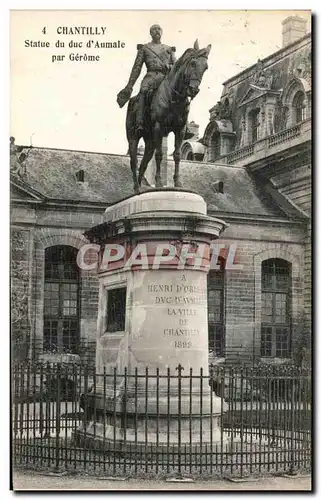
(158, 58)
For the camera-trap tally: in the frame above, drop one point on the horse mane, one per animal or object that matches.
(163, 93)
(186, 56)
(183, 59)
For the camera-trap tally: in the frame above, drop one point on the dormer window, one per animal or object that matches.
(254, 119)
(297, 99)
(215, 146)
(298, 106)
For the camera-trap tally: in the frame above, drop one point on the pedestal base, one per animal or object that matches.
(154, 437)
(118, 427)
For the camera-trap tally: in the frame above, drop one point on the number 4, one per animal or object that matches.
(44, 30)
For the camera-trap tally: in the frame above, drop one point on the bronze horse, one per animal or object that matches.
(167, 112)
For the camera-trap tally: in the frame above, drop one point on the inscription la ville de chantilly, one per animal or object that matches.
(179, 308)
(88, 50)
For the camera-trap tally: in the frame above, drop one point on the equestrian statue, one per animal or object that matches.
(162, 105)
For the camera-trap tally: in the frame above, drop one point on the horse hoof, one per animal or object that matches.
(137, 189)
(177, 183)
(158, 183)
(145, 182)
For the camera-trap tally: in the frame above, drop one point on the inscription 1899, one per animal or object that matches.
(182, 344)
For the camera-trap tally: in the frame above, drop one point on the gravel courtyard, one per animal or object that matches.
(34, 481)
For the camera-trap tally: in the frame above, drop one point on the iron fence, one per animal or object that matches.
(230, 421)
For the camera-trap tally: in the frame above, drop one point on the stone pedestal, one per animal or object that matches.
(166, 236)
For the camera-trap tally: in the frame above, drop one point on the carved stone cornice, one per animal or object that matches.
(254, 94)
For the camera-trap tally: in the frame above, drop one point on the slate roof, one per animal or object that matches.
(108, 179)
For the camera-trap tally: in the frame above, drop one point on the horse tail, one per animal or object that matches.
(130, 118)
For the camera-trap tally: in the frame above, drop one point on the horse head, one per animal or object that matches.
(196, 69)
(193, 65)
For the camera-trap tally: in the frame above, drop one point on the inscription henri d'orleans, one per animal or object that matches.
(187, 295)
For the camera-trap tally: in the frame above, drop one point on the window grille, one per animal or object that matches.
(61, 299)
(275, 312)
(215, 308)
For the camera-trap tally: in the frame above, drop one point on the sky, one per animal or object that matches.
(72, 105)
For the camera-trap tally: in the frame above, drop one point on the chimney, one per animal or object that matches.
(294, 28)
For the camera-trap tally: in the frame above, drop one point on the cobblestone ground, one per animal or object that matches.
(33, 481)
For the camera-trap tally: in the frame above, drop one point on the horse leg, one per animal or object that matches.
(158, 154)
(148, 154)
(179, 136)
(133, 143)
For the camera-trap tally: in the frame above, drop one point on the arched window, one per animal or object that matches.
(61, 299)
(215, 311)
(298, 106)
(275, 320)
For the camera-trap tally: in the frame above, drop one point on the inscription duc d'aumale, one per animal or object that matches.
(178, 301)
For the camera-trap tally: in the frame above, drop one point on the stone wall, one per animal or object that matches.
(299, 191)
(243, 285)
(295, 182)
(56, 227)
(255, 240)
(21, 244)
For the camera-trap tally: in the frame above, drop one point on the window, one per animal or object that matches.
(61, 299)
(275, 322)
(215, 146)
(215, 305)
(116, 310)
(298, 106)
(254, 124)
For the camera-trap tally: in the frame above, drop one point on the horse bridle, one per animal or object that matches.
(198, 80)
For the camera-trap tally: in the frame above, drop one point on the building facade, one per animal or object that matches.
(253, 168)
(262, 124)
